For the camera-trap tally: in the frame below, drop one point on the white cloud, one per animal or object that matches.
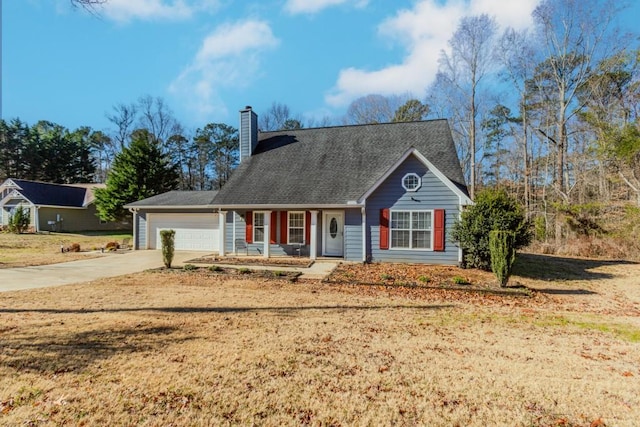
(229, 57)
(423, 32)
(128, 10)
(313, 6)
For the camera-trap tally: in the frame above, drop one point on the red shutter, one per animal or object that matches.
(384, 228)
(273, 227)
(438, 230)
(307, 228)
(284, 224)
(248, 220)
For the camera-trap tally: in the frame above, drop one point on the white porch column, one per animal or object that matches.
(222, 223)
(36, 219)
(313, 244)
(364, 234)
(134, 215)
(267, 234)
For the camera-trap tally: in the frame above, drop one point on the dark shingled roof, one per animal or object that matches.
(177, 198)
(335, 165)
(43, 193)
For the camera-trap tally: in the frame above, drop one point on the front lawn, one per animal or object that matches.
(160, 348)
(21, 250)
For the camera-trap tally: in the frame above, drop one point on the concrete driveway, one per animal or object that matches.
(108, 265)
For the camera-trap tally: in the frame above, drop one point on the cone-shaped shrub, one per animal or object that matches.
(168, 246)
(503, 254)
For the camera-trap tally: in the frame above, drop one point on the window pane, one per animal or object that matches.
(296, 235)
(258, 234)
(421, 239)
(400, 220)
(296, 220)
(399, 239)
(421, 220)
(258, 219)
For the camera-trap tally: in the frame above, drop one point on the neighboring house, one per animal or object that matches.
(378, 192)
(54, 207)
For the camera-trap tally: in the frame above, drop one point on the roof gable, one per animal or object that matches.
(336, 165)
(460, 192)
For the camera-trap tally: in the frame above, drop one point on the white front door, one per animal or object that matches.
(333, 234)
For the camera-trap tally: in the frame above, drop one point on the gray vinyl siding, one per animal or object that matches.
(141, 231)
(352, 235)
(433, 194)
(228, 235)
(248, 133)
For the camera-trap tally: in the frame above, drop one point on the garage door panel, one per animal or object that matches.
(193, 231)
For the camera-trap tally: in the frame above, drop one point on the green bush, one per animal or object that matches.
(19, 221)
(189, 267)
(244, 270)
(493, 210)
(215, 268)
(459, 280)
(503, 254)
(168, 246)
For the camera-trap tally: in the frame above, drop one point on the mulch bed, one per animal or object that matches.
(423, 277)
(230, 272)
(271, 262)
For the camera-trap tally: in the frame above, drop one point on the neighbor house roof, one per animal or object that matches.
(48, 194)
(335, 165)
(177, 199)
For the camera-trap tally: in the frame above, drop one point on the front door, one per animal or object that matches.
(333, 234)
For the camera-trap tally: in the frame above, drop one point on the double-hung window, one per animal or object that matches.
(258, 227)
(296, 227)
(411, 229)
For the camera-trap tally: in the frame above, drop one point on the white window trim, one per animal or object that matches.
(429, 249)
(254, 226)
(414, 175)
(304, 226)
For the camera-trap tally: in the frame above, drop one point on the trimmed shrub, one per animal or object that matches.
(19, 221)
(167, 238)
(215, 268)
(74, 247)
(503, 254)
(189, 267)
(493, 210)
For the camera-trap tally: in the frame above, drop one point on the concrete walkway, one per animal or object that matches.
(107, 265)
(118, 264)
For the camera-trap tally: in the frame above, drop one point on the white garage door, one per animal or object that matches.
(194, 232)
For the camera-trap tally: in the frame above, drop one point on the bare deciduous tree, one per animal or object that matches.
(463, 70)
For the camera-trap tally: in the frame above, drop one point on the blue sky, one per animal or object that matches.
(209, 58)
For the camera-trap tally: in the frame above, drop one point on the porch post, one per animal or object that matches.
(222, 241)
(134, 214)
(364, 233)
(36, 218)
(313, 244)
(267, 234)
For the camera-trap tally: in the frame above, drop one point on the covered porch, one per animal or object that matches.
(294, 232)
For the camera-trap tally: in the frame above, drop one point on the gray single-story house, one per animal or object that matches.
(377, 192)
(54, 207)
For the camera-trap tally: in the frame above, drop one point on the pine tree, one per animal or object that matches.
(139, 171)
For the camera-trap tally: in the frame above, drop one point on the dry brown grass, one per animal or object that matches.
(194, 349)
(21, 250)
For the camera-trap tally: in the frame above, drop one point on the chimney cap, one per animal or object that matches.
(248, 107)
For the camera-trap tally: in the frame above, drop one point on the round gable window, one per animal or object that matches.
(411, 182)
